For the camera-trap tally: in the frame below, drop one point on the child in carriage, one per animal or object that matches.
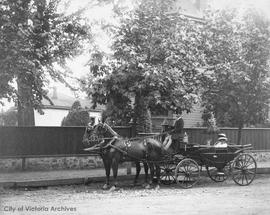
(222, 141)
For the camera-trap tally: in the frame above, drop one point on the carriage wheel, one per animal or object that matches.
(218, 175)
(244, 169)
(167, 175)
(187, 173)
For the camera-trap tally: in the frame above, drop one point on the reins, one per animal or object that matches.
(126, 153)
(116, 136)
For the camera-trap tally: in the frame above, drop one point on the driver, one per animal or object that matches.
(178, 132)
(176, 135)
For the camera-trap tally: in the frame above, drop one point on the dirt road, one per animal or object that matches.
(206, 197)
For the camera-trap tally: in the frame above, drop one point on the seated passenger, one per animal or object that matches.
(222, 141)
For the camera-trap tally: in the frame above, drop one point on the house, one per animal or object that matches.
(54, 114)
(192, 9)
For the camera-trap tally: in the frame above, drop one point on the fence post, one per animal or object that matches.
(133, 132)
(23, 164)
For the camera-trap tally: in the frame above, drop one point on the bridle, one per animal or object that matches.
(100, 139)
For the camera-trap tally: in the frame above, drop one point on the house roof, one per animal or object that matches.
(63, 101)
(189, 8)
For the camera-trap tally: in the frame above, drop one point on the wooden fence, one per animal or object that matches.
(259, 138)
(44, 141)
(67, 141)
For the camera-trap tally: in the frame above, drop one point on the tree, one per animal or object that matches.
(237, 50)
(33, 38)
(77, 116)
(154, 64)
(9, 118)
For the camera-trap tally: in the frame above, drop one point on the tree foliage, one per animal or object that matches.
(77, 116)
(9, 118)
(34, 37)
(237, 81)
(154, 64)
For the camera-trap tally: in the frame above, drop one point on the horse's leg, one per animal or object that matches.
(158, 176)
(145, 165)
(107, 165)
(115, 162)
(152, 173)
(138, 170)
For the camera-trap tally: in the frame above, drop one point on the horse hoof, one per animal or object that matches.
(113, 188)
(105, 187)
(144, 185)
(147, 186)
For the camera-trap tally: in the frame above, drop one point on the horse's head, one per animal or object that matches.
(95, 137)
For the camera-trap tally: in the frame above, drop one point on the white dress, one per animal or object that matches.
(221, 144)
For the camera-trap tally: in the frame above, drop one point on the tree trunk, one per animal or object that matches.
(142, 114)
(25, 105)
(24, 80)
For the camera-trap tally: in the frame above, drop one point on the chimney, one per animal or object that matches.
(54, 95)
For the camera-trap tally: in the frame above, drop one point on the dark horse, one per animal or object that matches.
(115, 149)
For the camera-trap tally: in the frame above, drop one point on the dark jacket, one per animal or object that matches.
(178, 130)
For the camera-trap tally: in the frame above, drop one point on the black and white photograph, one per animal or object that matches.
(134, 107)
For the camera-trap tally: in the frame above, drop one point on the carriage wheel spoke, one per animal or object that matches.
(242, 179)
(246, 178)
(163, 174)
(167, 171)
(249, 175)
(173, 178)
(250, 172)
(187, 173)
(171, 174)
(244, 169)
(181, 170)
(237, 177)
(249, 164)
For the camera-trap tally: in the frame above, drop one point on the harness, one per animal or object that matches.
(127, 144)
(125, 152)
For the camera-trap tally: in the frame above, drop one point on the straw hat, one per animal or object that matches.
(222, 136)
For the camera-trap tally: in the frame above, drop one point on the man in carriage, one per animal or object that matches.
(176, 135)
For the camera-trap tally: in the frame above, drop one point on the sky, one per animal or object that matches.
(105, 13)
(78, 64)
(263, 5)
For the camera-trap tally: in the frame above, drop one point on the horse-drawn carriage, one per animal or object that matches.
(183, 166)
